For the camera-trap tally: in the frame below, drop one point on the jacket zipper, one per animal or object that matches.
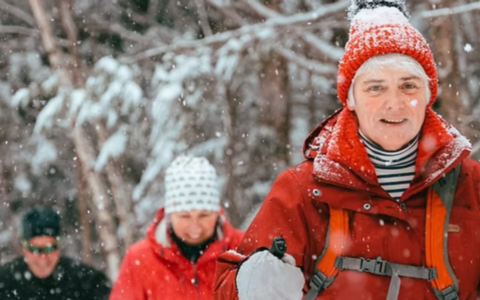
(403, 207)
(195, 279)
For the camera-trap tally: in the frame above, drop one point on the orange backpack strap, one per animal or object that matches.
(325, 266)
(438, 270)
(439, 205)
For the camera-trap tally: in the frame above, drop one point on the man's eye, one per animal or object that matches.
(375, 88)
(409, 86)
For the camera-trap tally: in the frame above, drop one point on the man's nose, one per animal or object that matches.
(394, 100)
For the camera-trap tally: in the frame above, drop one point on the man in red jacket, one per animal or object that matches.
(176, 261)
(373, 211)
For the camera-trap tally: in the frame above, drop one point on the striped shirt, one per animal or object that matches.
(394, 169)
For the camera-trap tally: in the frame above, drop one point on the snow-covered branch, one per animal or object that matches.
(313, 66)
(335, 53)
(294, 20)
(114, 147)
(451, 10)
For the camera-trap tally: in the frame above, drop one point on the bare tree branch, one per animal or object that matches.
(65, 8)
(229, 12)
(100, 198)
(295, 20)
(83, 218)
(117, 185)
(313, 66)
(261, 9)
(17, 12)
(321, 47)
(6, 202)
(317, 44)
(49, 42)
(119, 29)
(10, 29)
(153, 8)
(475, 149)
(451, 11)
(203, 17)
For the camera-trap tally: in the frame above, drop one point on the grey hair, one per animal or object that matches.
(391, 61)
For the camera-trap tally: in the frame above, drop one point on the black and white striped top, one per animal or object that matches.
(395, 169)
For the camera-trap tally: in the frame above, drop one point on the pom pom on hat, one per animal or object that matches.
(358, 5)
(191, 183)
(381, 27)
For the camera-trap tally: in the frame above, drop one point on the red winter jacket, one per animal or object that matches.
(154, 269)
(337, 165)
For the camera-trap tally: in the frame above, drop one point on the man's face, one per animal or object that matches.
(390, 106)
(194, 227)
(41, 254)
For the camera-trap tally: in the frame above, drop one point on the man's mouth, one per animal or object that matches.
(393, 121)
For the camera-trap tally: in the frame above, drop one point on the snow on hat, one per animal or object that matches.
(191, 184)
(382, 27)
(42, 221)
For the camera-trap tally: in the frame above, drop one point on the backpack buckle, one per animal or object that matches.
(432, 274)
(317, 282)
(376, 266)
(449, 293)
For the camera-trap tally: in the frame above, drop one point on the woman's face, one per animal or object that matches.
(390, 106)
(194, 227)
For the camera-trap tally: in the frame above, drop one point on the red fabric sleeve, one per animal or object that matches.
(281, 214)
(236, 239)
(127, 286)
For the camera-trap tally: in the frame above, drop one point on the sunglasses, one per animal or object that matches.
(40, 250)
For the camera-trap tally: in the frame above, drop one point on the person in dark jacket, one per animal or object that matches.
(42, 273)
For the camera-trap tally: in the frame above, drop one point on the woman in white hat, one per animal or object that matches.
(176, 260)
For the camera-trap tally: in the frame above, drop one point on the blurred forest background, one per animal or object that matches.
(98, 96)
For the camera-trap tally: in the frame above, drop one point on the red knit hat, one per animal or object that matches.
(381, 27)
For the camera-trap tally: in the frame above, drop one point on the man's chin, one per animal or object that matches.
(42, 273)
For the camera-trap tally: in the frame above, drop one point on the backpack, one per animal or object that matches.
(437, 270)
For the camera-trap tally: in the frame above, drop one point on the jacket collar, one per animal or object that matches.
(340, 157)
(161, 242)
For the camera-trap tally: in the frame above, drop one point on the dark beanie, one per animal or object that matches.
(40, 222)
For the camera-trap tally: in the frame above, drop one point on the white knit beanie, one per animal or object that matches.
(191, 184)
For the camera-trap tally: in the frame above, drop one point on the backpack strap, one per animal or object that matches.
(325, 266)
(384, 268)
(439, 206)
(438, 270)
